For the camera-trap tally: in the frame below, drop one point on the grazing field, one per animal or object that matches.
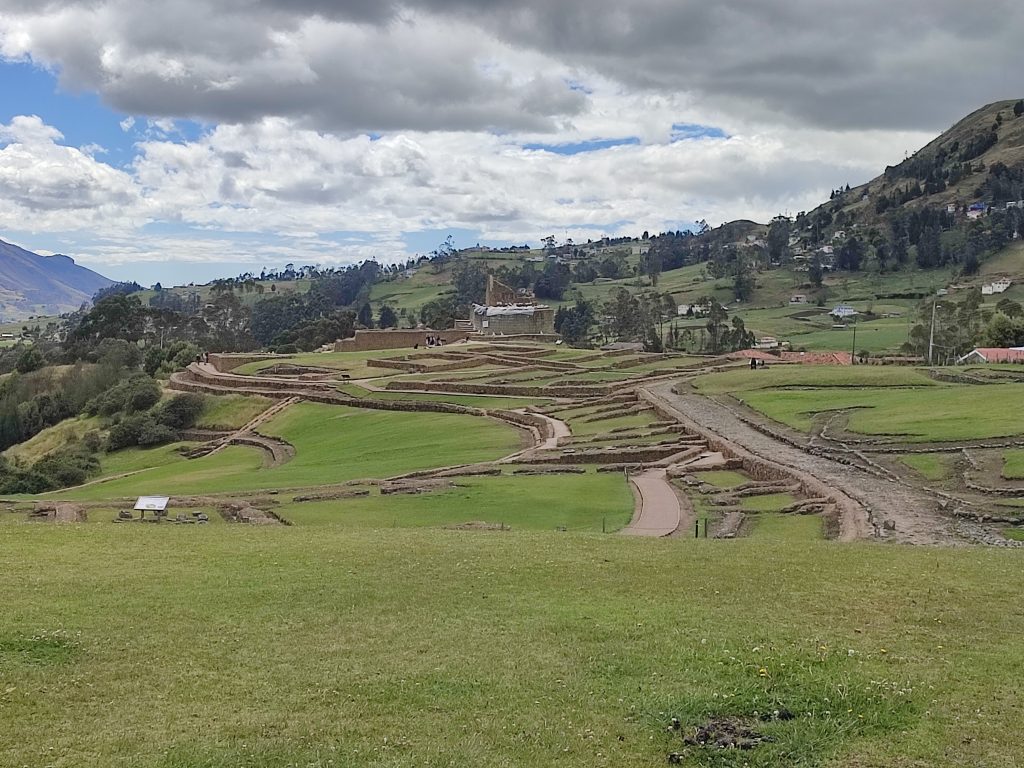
(333, 445)
(227, 646)
(587, 502)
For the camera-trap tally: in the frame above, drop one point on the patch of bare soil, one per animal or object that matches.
(726, 733)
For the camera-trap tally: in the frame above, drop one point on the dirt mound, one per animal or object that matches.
(726, 732)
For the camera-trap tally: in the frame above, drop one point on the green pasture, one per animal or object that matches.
(939, 413)
(1013, 464)
(229, 647)
(792, 529)
(333, 444)
(742, 379)
(585, 503)
(931, 466)
(232, 411)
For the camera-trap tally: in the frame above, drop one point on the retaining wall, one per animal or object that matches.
(368, 340)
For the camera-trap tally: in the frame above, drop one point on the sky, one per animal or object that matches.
(183, 140)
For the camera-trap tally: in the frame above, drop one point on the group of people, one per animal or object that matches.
(431, 341)
(755, 363)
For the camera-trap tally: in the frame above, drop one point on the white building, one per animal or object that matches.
(999, 286)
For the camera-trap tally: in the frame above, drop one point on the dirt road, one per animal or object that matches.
(914, 513)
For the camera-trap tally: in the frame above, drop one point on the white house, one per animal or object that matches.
(999, 286)
(798, 298)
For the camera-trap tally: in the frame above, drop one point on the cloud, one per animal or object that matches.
(525, 65)
(47, 186)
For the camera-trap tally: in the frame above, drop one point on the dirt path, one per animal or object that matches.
(657, 511)
(914, 512)
(559, 429)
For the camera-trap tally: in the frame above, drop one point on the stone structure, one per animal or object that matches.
(394, 338)
(513, 320)
(498, 294)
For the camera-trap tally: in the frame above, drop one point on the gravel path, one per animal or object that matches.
(914, 513)
(657, 506)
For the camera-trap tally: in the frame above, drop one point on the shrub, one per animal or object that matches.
(181, 411)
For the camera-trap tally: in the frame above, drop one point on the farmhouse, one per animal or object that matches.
(999, 286)
(993, 355)
(798, 298)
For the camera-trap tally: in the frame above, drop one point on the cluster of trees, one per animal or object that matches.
(960, 326)
(109, 386)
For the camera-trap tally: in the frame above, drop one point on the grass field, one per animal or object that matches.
(232, 411)
(931, 466)
(785, 528)
(585, 503)
(333, 444)
(769, 502)
(225, 647)
(1013, 464)
(942, 413)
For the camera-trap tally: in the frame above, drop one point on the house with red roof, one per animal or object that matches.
(993, 355)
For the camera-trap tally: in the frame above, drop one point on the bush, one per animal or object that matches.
(126, 432)
(154, 433)
(31, 360)
(139, 393)
(181, 411)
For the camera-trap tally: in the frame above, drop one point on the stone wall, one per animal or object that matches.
(226, 362)
(540, 321)
(369, 340)
(499, 389)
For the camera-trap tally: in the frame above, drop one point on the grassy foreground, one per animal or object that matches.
(229, 646)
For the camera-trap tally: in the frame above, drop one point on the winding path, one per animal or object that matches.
(658, 512)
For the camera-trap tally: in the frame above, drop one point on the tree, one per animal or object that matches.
(387, 317)
(815, 272)
(365, 316)
(650, 264)
(1018, 108)
(778, 239)
(31, 360)
(850, 254)
(1003, 331)
(742, 284)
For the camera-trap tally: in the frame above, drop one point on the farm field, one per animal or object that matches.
(326, 646)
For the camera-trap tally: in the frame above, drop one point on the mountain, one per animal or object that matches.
(980, 160)
(31, 284)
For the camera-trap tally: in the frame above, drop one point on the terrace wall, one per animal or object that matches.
(369, 340)
(227, 362)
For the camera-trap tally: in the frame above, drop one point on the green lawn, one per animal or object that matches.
(1013, 464)
(816, 376)
(333, 444)
(232, 411)
(931, 466)
(939, 413)
(635, 420)
(585, 502)
(786, 528)
(232, 647)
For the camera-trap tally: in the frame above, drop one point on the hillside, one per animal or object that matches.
(31, 284)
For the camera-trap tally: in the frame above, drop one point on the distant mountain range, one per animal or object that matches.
(31, 284)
